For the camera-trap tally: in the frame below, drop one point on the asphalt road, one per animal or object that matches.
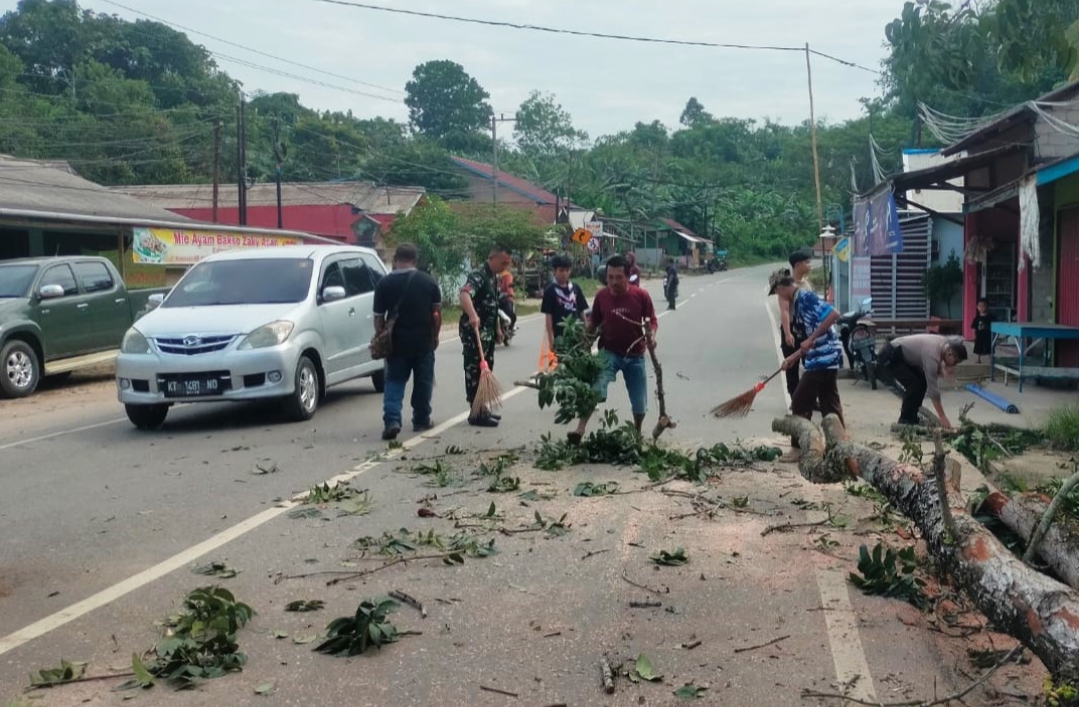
(100, 526)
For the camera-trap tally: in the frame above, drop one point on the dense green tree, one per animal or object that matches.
(544, 128)
(446, 104)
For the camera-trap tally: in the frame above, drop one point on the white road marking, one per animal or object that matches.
(76, 430)
(107, 596)
(42, 438)
(840, 621)
(186, 557)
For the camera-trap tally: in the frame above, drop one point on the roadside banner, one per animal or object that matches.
(166, 246)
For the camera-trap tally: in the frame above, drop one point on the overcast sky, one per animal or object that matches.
(606, 85)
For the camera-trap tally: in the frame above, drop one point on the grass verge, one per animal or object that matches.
(1062, 428)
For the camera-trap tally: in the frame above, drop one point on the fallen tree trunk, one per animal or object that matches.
(1037, 610)
(1059, 548)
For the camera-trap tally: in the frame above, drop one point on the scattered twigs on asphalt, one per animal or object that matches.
(606, 676)
(495, 690)
(650, 590)
(91, 678)
(763, 645)
(411, 601)
(956, 697)
(1050, 514)
(349, 576)
(787, 527)
(593, 553)
(645, 604)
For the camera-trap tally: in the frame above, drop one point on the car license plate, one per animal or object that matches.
(188, 387)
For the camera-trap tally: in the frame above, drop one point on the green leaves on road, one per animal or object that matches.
(889, 574)
(216, 569)
(66, 672)
(200, 642)
(347, 500)
(643, 670)
(670, 559)
(369, 627)
(690, 692)
(305, 605)
(587, 489)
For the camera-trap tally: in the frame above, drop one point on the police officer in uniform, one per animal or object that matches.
(479, 306)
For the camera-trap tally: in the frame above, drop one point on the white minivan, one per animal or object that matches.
(282, 323)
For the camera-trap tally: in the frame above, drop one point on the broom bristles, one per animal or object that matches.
(488, 394)
(737, 407)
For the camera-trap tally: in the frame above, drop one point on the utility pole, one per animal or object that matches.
(217, 166)
(813, 133)
(241, 158)
(495, 120)
(279, 151)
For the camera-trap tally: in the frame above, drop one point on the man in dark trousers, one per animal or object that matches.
(791, 336)
(412, 301)
(670, 285)
(917, 362)
(479, 306)
(821, 354)
(562, 299)
(619, 311)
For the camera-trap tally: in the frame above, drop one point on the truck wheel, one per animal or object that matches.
(378, 379)
(20, 370)
(303, 402)
(147, 417)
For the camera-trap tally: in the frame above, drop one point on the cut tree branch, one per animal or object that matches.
(1039, 611)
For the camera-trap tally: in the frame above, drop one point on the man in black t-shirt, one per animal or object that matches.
(562, 299)
(412, 300)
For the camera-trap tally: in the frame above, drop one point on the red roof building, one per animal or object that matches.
(512, 191)
(357, 213)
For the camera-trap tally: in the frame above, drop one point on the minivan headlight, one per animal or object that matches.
(272, 334)
(134, 343)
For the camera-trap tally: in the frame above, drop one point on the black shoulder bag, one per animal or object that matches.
(382, 343)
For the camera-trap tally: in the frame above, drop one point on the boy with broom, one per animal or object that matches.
(618, 312)
(480, 330)
(821, 354)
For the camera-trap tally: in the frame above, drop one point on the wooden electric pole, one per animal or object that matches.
(813, 134)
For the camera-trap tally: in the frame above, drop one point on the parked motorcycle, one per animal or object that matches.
(505, 313)
(718, 263)
(858, 334)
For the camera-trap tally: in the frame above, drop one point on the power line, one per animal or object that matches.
(583, 33)
(252, 50)
(305, 79)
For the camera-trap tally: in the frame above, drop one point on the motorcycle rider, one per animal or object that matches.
(505, 297)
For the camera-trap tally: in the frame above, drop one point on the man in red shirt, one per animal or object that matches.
(620, 311)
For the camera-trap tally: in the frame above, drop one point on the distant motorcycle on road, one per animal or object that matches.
(506, 313)
(718, 263)
(858, 334)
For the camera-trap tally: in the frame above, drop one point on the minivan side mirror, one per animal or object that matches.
(51, 291)
(155, 300)
(333, 293)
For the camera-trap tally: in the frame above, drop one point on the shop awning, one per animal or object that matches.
(691, 239)
(939, 176)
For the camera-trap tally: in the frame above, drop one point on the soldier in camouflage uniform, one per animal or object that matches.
(479, 304)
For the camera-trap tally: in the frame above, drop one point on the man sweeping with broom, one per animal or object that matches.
(480, 331)
(821, 354)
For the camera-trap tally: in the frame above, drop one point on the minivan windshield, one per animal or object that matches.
(254, 281)
(15, 280)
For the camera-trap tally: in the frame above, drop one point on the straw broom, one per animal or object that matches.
(740, 406)
(489, 392)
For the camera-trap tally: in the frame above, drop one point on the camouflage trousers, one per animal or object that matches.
(471, 354)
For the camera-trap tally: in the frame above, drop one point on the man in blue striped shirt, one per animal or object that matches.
(821, 354)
